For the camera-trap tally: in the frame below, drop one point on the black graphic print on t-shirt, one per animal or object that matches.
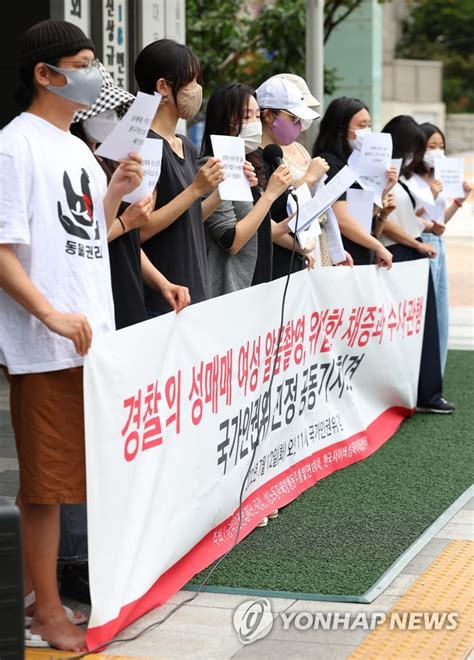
(79, 219)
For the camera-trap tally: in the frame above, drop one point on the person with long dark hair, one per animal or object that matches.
(435, 222)
(402, 236)
(341, 130)
(129, 269)
(239, 233)
(173, 238)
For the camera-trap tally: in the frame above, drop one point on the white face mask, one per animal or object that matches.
(359, 138)
(97, 128)
(431, 154)
(251, 133)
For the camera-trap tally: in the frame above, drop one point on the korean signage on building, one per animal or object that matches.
(74, 11)
(115, 39)
(164, 18)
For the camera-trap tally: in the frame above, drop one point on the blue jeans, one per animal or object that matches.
(73, 540)
(439, 272)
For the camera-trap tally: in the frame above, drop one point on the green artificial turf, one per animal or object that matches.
(340, 536)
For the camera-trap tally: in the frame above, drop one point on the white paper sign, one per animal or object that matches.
(436, 212)
(372, 163)
(360, 204)
(303, 193)
(334, 238)
(323, 198)
(421, 191)
(130, 133)
(397, 164)
(310, 234)
(450, 171)
(151, 153)
(374, 157)
(231, 151)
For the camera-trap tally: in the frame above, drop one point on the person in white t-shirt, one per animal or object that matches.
(55, 293)
(402, 236)
(435, 211)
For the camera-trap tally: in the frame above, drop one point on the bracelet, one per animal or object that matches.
(458, 204)
(122, 223)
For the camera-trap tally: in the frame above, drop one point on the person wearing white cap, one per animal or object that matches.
(306, 95)
(283, 112)
(296, 155)
(302, 166)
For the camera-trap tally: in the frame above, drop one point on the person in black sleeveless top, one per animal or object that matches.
(343, 124)
(129, 268)
(173, 239)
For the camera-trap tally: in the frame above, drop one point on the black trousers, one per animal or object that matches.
(430, 381)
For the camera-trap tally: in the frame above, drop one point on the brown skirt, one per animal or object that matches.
(47, 411)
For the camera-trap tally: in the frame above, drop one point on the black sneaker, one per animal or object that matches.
(75, 582)
(441, 406)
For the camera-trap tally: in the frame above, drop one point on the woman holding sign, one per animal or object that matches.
(173, 239)
(129, 265)
(283, 114)
(342, 130)
(129, 269)
(435, 218)
(403, 238)
(239, 232)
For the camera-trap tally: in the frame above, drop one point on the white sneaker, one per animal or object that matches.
(263, 522)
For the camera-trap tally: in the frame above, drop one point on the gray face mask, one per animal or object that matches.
(83, 85)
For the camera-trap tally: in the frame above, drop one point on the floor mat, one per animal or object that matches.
(340, 536)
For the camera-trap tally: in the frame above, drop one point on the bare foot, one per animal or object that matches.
(60, 633)
(78, 615)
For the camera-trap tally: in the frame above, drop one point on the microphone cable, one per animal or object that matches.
(267, 392)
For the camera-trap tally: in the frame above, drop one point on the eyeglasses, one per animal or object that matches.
(296, 120)
(83, 64)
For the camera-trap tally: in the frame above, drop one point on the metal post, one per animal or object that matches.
(315, 58)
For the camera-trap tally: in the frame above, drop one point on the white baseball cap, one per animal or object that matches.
(301, 84)
(279, 94)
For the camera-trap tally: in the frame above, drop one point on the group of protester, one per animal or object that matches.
(76, 261)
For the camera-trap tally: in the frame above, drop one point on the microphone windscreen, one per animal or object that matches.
(271, 152)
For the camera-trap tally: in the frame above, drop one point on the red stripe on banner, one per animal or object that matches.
(277, 492)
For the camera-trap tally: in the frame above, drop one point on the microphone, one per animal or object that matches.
(273, 156)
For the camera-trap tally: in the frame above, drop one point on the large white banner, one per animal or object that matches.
(174, 406)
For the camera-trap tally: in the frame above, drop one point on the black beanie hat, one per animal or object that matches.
(50, 40)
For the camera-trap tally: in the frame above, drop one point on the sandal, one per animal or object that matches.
(32, 640)
(30, 599)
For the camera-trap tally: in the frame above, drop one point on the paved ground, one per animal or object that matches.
(460, 252)
(204, 628)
